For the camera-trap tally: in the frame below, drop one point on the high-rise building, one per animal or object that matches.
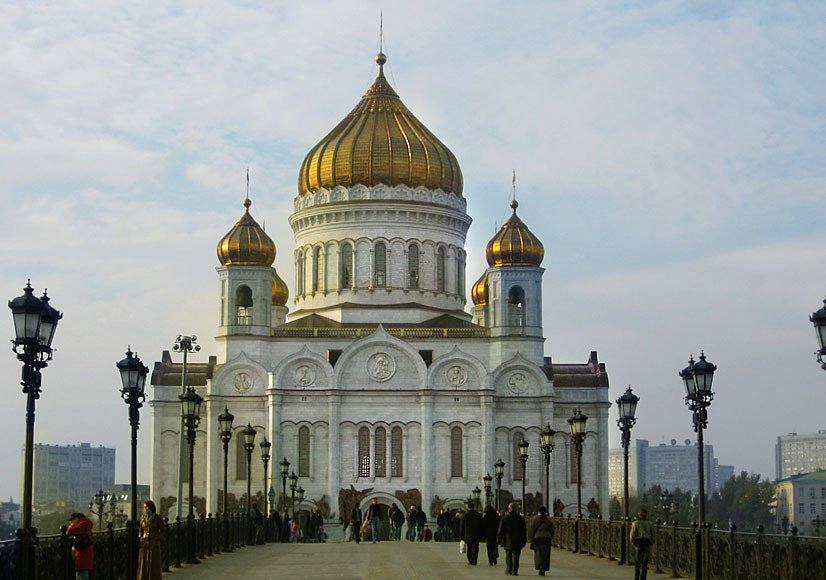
(381, 383)
(795, 454)
(71, 474)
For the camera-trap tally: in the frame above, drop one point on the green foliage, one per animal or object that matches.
(744, 500)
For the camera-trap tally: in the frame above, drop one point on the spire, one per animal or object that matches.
(247, 200)
(381, 58)
(514, 203)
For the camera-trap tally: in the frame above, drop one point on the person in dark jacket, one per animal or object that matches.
(355, 523)
(421, 517)
(471, 530)
(490, 523)
(540, 534)
(374, 519)
(398, 522)
(512, 536)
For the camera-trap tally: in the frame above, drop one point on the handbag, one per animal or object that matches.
(82, 542)
(462, 547)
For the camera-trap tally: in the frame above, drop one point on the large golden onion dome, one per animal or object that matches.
(246, 244)
(280, 292)
(514, 244)
(479, 291)
(380, 141)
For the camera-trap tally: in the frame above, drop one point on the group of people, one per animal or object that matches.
(510, 531)
(372, 525)
(152, 528)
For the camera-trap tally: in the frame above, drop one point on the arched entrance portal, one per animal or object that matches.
(385, 501)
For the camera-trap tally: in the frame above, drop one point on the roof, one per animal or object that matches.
(168, 373)
(591, 374)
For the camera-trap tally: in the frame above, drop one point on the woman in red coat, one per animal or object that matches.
(83, 552)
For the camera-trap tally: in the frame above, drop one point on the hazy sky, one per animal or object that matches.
(671, 157)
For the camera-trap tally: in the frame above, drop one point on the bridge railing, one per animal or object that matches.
(720, 554)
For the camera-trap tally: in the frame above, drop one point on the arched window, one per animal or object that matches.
(346, 266)
(381, 452)
(440, 270)
(240, 457)
(456, 452)
(243, 306)
(516, 306)
(460, 274)
(318, 271)
(412, 266)
(302, 273)
(364, 452)
(517, 464)
(396, 452)
(380, 265)
(304, 452)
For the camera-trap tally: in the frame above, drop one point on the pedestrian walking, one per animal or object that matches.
(512, 536)
(83, 550)
(540, 534)
(421, 517)
(471, 530)
(398, 522)
(412, 520)
(490, 523)
(355, 523)
(152, 529)
(642, 538)
(374, 517)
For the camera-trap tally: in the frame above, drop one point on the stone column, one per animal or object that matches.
(333, 449)
(488, 449)
(427, 451)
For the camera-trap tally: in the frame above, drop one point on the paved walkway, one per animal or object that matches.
(387, 561)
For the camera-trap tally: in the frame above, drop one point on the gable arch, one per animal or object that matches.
(458, 370)
(304, 369)
(240, 376)
(380, 361)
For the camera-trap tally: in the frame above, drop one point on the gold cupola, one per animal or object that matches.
(280, 292)
(479, 291)
(246, 244)
(380, 141)
(514, 244)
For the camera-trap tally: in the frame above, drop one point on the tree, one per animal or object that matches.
(743, 500)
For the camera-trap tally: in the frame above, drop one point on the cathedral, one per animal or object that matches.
(380, 381)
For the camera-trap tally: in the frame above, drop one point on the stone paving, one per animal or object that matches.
(387, 561)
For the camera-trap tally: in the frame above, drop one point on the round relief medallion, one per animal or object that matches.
(456, 376)
(518, 383)
(243, 382)
(304, 376)
(381, 366)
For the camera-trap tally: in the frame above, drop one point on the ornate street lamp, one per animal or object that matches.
(818, 318)
(225, 420)
(285, 469)
(100, 502)
(249, 445)
(666, 499)
(499, 471)
(35, 323)
(476, 495)
(133, 382)
(293, 485)
(546, 444)
(265, 457)
(185, 345)
(577, 424)
(523, 459)
(191, 417)
(627, 405)
(487, 479)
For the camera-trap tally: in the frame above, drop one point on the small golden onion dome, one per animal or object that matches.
(246, 244)
(380, 141)
(280, 292)
(514, 244)
(479, 291)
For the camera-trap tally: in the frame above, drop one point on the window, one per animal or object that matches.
(812, 508)
(318, 271)
(516, 304)
(801, 508)
(381, 452)
(240, 457)
(396, 452)
(304, 452)
(380, 265)
(413, 266)
(460, 275)
(302, 273)
(243, 306)
(517, 464)
(364, 452)
(456, 452)
(346, 266)
(812, 492)
(440, 270)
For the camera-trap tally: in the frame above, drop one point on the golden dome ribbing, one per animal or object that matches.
(280, 292)
(479, 291)
(514, 244)
(380, 141)
(246, 244)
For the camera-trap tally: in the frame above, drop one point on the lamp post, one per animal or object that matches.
(35, 323)
(818, 318)
(249, 445)
(285, 470)
(133, 382)
(293, 485)
(697, 379)
(100, 502)
(499, 471)
(523, 459)
(265, 457)
(476, 495)
(577, 424)
(487, 479)
(546, 444)
(627, 405)
(225, 420)
(191, 417)
(665, 504)
(184, 344)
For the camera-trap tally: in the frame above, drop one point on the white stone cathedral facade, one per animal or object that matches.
(379, 382)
